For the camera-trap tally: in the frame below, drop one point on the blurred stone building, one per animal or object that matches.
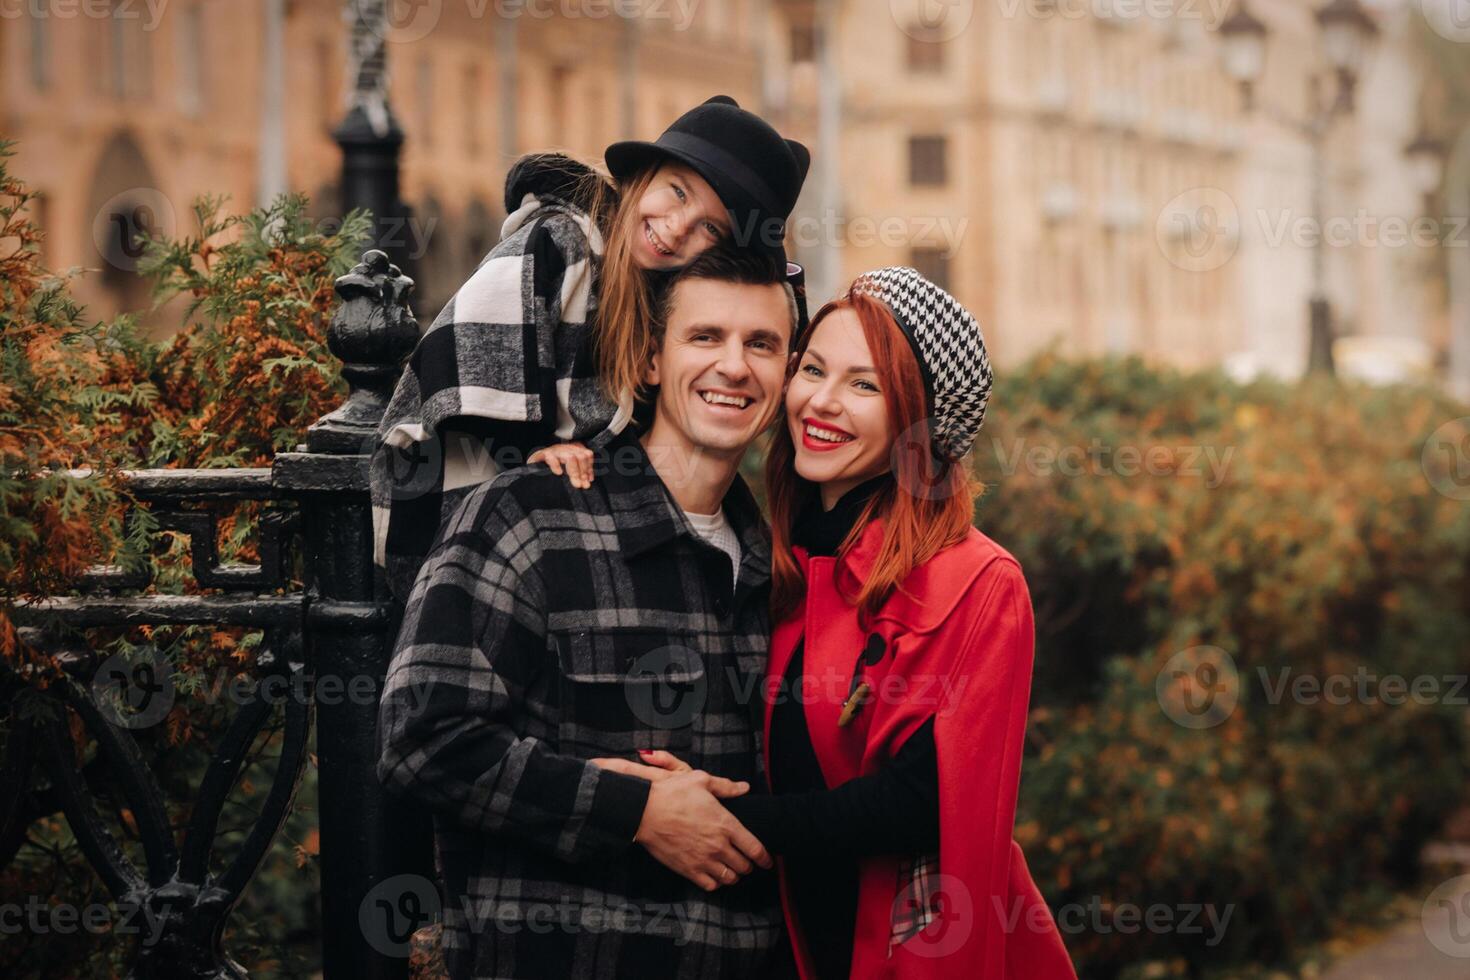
(1084, 173)
(128, 111)
(1080, 172)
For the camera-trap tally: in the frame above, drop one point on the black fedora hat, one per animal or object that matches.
(757, 173)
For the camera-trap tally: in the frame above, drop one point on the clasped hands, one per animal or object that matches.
(684, 826)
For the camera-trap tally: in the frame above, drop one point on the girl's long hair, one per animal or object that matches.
(926, 506)
(623, 338)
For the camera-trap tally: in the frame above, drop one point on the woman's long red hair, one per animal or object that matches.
(927, 505)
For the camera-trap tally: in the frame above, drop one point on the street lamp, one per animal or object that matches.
(1426, 156)
(1243, 50)
(1347, 38)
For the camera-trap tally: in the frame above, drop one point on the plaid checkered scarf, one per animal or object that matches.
(512, 347)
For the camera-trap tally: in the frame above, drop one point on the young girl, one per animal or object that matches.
(544, 344)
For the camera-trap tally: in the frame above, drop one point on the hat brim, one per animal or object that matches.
(627, 157)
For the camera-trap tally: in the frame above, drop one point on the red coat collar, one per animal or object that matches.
(853, 567)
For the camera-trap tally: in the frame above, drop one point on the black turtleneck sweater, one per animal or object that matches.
(821, 833)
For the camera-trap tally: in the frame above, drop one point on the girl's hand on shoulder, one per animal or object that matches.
(571, 459)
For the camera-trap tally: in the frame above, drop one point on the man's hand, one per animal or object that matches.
(686, 830)
(571, 458)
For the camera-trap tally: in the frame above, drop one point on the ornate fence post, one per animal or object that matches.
(367, 836)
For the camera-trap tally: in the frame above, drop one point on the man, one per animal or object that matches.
(551, 625)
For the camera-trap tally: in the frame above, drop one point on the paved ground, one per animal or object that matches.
(1435, 947)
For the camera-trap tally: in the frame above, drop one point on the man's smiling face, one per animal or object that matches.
(720, 365)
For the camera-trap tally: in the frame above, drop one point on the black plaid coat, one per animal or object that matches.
(506, 368)
(548, 626)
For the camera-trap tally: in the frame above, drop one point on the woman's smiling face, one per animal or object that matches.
(678, 217)
(836, 410)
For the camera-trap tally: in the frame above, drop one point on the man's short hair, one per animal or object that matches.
(726, 263)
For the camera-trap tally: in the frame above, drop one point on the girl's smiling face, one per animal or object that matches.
(836, 410)
(677, 218)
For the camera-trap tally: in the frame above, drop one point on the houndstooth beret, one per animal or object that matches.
(950, 349)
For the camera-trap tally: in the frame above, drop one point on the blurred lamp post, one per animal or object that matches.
(1426, 164)
(369, 136)
(1347, 35)
(1450, 166)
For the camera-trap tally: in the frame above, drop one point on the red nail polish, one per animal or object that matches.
(645, 751)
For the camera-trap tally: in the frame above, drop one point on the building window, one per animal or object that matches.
(926, 161)
(425, 91)
(803, 42)
(130, 64)
(118, 51)
(932, 263)
(473, 106)
(926, 49)
(191, 61)
(40, 54)
(329, 104)
(40, 208)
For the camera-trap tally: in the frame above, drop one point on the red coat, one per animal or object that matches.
(959, 643)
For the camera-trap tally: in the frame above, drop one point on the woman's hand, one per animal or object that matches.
(571, 458)
(657, 765)
(686, 829)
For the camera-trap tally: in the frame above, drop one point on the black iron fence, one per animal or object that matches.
(340, 624)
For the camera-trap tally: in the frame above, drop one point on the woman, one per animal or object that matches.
(900, 667)
(545, 343)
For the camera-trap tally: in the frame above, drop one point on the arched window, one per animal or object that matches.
(125, 202)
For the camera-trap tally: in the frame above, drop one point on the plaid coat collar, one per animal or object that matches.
(649, 517)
